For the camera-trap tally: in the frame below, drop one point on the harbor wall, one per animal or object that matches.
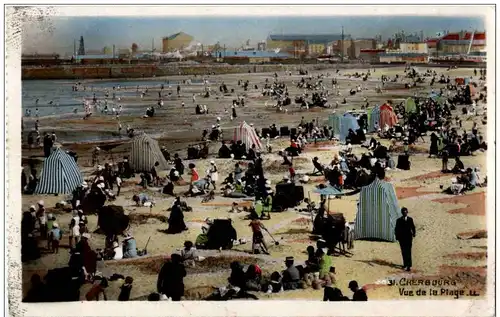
(146, 71)
(140, 71)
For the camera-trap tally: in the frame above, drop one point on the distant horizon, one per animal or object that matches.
(100, 32)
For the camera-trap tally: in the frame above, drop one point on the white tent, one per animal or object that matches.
(246, 134)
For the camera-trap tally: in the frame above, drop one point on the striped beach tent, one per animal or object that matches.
(246, 134)
(373, 118)
(60, 174)
(144, 152)
(410, 106)
(342, 123)
(387, 116)
(377, 212)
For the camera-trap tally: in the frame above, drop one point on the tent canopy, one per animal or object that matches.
(377, 212)
(374, 118)
(145, 151)
(246, 134)
(342, 123)
(410, 106)
(60, 174)
(387, 116)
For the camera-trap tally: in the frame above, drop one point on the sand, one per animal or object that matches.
(438, 253)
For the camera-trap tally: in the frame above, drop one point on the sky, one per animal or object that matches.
(99, 32)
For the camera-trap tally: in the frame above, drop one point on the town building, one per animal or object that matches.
(252, 57)
(352, 48)
(176, 42)
(413, 47)
(299, 45)
(461, 43)
(371, 55)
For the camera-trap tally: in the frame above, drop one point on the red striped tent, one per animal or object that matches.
(387, 116)
(246, 134)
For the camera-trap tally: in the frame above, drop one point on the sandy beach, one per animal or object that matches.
(438, 252)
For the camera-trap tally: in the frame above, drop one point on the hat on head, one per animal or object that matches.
(289, 259)
(285, 177)
(55, 225)
(212, 162)
(32, 207)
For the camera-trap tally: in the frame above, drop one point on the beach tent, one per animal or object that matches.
(437, 98)
(373, 118)
(342, 123)
(472, 90)
(410, 106)
(387, 116)
(144, 152)
(60, 174)
(246, 134)
(377, 211)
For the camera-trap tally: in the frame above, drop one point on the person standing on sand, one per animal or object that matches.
(405, 232)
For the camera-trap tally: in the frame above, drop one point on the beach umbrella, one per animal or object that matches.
(327, 191)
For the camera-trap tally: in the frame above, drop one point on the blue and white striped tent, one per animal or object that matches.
(342, 123)
(60, 174)
(377, 212)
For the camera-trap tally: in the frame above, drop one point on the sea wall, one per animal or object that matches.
(139, 71)
(144, 71)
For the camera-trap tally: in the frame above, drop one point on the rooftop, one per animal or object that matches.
(269, 54)
(311, 38)
(173, 36)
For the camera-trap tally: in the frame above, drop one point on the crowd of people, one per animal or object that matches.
(432, 116)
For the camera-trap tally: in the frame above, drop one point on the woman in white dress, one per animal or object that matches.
(214, 175)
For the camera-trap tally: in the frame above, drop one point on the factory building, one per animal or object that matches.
(176, 42)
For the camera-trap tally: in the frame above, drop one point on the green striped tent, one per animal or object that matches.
(144, 152)
(378, 211)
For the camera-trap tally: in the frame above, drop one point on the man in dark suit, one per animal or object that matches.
(405, 232)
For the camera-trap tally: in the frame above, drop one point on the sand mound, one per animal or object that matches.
(198, 292)
(143, 218)
(407, 192)
(475, 234)
(152, 265)
(476, 204)
(422, 177)
(467, 255)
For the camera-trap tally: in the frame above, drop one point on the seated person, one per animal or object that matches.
(129, 247)
(188, 254)
(291, 276)
(325, 263)
(174, 175)
(285, 180)
(373, 144)
(230, 191)
(312, 262)
(274, 285)
(199, 187)
(224, 151)
(168, 189)
(459, 167)
(252, 153)
(229, 179)
(318, 168)
(253, 277)
(286, 160)
(140, 199)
